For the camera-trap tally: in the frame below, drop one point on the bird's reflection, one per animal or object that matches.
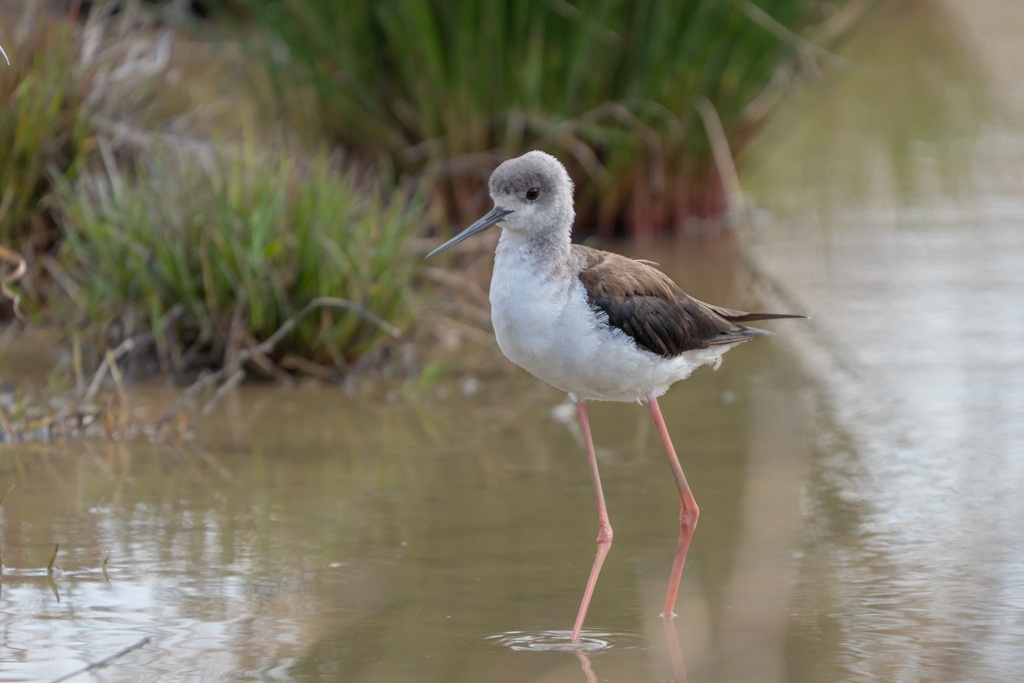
(674, 650)
(588, 669)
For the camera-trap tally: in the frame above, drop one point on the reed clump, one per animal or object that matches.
(44, 124)
(135, 214)
(609, 86)
(210, 254)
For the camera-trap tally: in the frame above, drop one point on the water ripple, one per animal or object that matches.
(561, 641)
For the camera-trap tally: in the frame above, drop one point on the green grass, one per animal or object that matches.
(213, 253)
(158, 234)
(203, 250)
(608, 86)
(43, 124)
(71, 80)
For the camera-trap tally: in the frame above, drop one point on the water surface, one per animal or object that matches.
(858, 474)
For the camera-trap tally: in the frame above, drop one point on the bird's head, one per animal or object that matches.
(531, 193)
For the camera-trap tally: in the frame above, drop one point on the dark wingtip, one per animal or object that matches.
(751, 317)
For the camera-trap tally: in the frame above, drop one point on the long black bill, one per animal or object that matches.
(495, 216)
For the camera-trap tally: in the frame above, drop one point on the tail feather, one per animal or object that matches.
(735, 316)
(751, 317)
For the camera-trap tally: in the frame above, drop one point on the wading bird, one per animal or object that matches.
(594, 324)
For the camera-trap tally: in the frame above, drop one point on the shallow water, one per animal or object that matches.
(858, 474)
(320, 538)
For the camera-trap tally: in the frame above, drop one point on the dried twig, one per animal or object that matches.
(807, 51)
(20, 268)
(723, 160)
(327, 302)
(103, 662)
(222, 391)
(109, 359)
(53, 560)
(233, 369)
(794, 40)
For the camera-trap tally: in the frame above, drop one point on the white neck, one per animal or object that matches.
(545, 248)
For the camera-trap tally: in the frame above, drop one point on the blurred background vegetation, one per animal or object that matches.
(197, 176)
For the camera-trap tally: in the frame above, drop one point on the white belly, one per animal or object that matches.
(544, 325)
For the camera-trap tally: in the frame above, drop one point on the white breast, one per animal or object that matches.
(543, 324)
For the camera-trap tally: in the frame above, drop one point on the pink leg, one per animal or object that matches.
(688, 510)
(604, 533)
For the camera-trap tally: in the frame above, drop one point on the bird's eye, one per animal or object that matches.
(533, 193)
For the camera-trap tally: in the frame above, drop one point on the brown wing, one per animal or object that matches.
(644, 303)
